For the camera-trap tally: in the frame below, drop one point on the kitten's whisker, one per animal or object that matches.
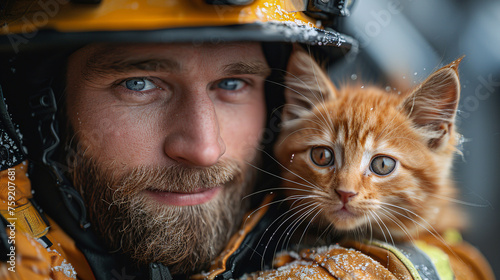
(291, 225)
(327, 230)
(292, 209)
(376, 218)
(359, 232)
(366, 226)
(430, 229)
(277, 189)
(396, 221)
(293, 197)
(370, 226)
(451, 199)
(295, 212)
(295, 225)
(309, 224)
(299, 190)
(385, 226)
(312, 186)
(409, 212)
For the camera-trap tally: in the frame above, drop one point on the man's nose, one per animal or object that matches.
(194, 136)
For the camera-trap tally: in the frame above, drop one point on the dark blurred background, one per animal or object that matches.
(401, 42)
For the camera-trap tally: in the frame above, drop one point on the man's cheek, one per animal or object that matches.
(104, 144)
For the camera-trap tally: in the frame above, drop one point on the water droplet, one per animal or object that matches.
(415, 74)
(291, 158)
(404, 77)
(399, 92)
(371, 109)
(354, 77)
(362, 86)
(387, 88)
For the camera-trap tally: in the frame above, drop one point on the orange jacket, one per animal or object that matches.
(31, 260)
(27, 257)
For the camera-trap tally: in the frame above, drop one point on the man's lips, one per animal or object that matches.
(196, 197)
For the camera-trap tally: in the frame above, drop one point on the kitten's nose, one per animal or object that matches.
(345, 196)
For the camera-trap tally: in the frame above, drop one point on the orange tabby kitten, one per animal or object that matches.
(369, 160)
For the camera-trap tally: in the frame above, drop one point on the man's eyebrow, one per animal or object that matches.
(106, 61)
(131, 64)
(242, 68)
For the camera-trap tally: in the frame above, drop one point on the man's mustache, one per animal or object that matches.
(179, 178)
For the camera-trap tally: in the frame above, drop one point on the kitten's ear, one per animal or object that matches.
(432, 106)
(306, 84)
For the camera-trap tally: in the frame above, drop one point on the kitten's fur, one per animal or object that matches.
(359, 124)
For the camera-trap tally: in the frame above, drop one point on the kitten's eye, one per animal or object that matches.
(322, 156)
(382, 165)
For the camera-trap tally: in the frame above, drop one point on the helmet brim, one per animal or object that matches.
(338, 43)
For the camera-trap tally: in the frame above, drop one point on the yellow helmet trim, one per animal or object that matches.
(28, 16)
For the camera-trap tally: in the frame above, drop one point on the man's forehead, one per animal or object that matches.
(169, 57)
(115, 51)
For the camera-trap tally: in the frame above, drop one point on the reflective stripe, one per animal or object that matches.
(439, 258)
(424, 261)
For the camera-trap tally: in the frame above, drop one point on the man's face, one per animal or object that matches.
(162, 134)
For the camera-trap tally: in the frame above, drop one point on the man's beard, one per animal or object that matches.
(184, 238)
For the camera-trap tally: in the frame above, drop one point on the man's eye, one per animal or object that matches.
(138, 84)
(231, 84)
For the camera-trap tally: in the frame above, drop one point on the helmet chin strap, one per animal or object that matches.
(44, 108)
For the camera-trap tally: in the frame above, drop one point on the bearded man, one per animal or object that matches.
(165, 182)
